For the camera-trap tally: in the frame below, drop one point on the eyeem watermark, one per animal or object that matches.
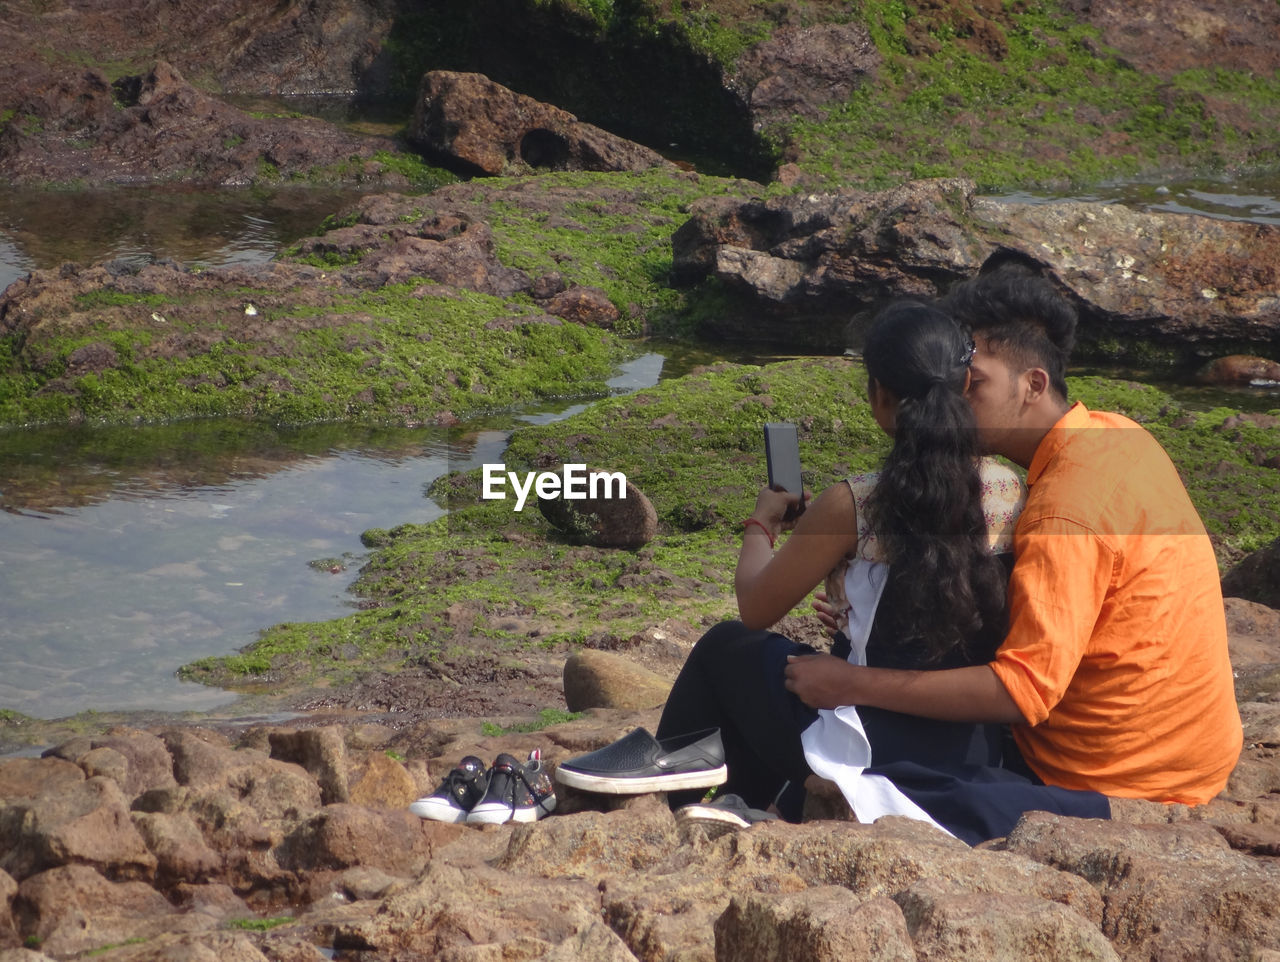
(573, 483)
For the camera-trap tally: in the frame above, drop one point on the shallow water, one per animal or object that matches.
(126, 553)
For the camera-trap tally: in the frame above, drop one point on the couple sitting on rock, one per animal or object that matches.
(1103, 653)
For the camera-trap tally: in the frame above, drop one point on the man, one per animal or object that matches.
(1114, 672)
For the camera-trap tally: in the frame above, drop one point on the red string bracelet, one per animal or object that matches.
(761, 525)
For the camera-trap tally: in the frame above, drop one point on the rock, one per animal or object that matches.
(1156, 906)
(488, 914)
(377, 780)
(1240, 369)
(449, 250)
(181, 853)
(322, 752)
(8, 931)
(1169, 37)
(87, 824)
(601, 679)
(602, 518)
(588, 306)
(493, 130)
(1253, 633)
(1257, 577)
(345, 836)
(800, 71)
(32, 777)
(803, 265)
(955, 926)
(826, 923)
(156, 125)
(272, 789)
(73, 909)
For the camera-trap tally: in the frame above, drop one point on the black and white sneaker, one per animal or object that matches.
(461, 789)
(727, 809)
(517, 792)
(639, 763)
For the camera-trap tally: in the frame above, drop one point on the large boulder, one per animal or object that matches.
(803, 265)
(86, 823)
(1171, 891)
(82, 127)
(1256, 578)
(489, 129)
(602, 679)
(799, 71)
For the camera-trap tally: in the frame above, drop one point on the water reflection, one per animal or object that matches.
(44, 229)
(128, 552)
(1254, 198)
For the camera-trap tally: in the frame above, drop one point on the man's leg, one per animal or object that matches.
(733, 680)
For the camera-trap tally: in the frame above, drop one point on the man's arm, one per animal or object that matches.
(972, 694)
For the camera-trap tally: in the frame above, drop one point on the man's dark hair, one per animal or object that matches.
(1015, 308)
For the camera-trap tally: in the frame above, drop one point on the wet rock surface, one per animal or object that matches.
(804, 265)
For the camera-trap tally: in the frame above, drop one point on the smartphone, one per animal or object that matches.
(782, 454)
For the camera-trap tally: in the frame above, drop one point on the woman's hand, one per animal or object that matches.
(820, 681)
(778, 510)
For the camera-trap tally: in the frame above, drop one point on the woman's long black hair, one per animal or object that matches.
(944, 601)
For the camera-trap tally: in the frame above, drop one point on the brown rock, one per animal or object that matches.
(156, 125)
(601, 679)
(602, 518)
(493, 130)
(488, 913)
(73, 909)
(799, 71)
(1253, 633)
(805, 263)
(345, 836)
(322, 752)
(379, 781)
(8, 931)
(1156, 907)
(180, 851)
(87, 823)
(958, 926)
(1256, 578)
(1240, 369)
(588, 306)
(826, 923)
(32, 777)
(272, 789)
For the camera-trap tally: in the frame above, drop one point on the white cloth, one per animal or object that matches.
(836, 745)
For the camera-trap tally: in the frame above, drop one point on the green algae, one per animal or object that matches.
(694, 446)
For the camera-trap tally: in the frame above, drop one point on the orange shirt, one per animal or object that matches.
(1117, 646)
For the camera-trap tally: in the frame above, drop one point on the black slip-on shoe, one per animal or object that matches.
(639, 763)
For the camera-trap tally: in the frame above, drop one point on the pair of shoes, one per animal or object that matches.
(729, 809)
(509, 791)
(638, 763)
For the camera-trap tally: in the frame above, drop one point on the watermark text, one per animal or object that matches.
(574, 483)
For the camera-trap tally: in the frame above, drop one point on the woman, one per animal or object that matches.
(911, 557)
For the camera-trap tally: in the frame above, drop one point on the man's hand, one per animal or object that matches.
(826, 612)
(820, 681)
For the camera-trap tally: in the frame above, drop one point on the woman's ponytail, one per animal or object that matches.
(945, 589)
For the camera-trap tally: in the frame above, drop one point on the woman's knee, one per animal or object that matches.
(726, 636)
